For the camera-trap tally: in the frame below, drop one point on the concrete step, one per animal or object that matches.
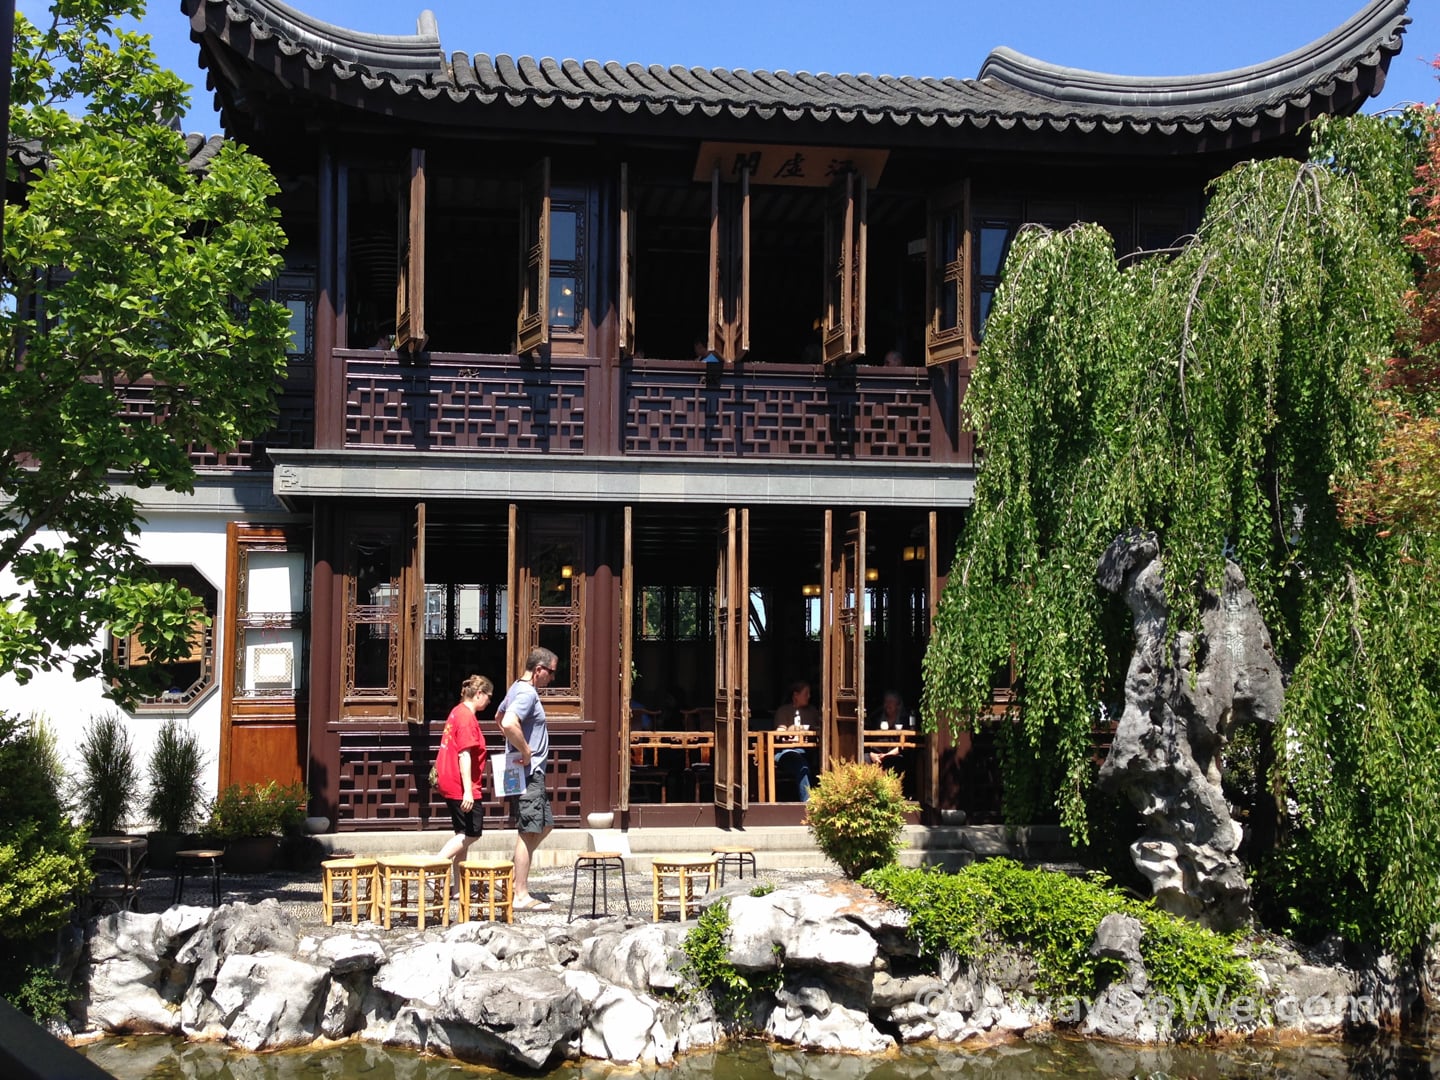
(779, 847)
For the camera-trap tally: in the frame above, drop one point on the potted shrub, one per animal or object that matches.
(107, 787)
(249, 821)
(174, 802)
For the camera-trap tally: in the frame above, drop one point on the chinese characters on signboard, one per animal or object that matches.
(790, 166)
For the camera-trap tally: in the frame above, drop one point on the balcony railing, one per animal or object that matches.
(566, 406)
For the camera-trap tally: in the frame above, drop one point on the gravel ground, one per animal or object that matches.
(299, 893)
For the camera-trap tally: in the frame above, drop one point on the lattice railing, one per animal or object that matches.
(500, 403)
(775, 410)
(383, 773)
(465, 403)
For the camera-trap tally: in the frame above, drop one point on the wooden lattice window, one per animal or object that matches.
(948, 268)
(181, 683)
(272, 586)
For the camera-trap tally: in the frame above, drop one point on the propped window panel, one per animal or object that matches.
(533, 327)
(625, 307)
(410, 333)
(414, 601)
(728, 334)
(843, 333)
(948, 335)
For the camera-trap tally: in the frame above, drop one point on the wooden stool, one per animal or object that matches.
(738, 857)
(688, 871)
(496, 881)
(197, 859)
(349, 875)
(430, 877)
(598, 865)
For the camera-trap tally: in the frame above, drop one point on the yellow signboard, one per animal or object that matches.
(789, 166)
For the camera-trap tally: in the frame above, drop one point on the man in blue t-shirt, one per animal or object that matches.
(522, 719)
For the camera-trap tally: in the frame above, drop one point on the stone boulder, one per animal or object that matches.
(644, 958)
(803, 928)
(531, 1017)
(1182, 692)
(268, 1001)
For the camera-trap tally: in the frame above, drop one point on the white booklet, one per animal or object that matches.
(509, 773)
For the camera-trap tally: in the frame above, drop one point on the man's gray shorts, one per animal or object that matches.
(535, 813)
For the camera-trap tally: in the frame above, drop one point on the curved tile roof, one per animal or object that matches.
(1011, 90)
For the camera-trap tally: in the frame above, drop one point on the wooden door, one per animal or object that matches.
(732, 675)
(845, 588)
(412, 644)
(928, 757)
(627, 631)
(264, 699)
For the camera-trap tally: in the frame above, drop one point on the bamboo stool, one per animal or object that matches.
(430, 877)
(348, 874)
(737, 857)
(598, 864)
(687, 871)
(495, 879)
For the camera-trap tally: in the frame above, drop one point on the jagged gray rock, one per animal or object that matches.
(452, 991)
(1182, 692)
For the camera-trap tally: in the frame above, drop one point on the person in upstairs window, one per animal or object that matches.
(460, 770)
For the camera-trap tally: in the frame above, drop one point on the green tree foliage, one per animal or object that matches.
(120, 267)
(43, 859)
(1211, 398)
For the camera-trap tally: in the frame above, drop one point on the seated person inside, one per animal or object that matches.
(896, 759)
(793, 764)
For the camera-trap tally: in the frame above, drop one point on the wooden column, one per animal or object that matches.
(329, 311)
(324, 746)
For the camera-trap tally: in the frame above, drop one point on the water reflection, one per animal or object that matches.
(162, 1058)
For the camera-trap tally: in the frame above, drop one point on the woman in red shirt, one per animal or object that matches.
(460, 768)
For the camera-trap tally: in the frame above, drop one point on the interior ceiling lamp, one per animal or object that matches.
(871, 574)
(810, 590)
(567, 571)
(912, 554)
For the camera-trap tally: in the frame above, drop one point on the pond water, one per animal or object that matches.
(154, 1057)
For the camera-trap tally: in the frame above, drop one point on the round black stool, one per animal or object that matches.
(195, 860)
(735, 857)
(598, 865)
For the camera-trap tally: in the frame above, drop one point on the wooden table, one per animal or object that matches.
(123, 856)
(882, 742)
(645, 746)
(764, 745)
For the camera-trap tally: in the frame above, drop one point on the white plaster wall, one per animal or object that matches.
(192, 538)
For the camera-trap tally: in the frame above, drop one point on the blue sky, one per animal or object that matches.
(898, 37)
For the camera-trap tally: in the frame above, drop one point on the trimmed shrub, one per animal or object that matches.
(107, 789)
(857, 813)
(176, 765)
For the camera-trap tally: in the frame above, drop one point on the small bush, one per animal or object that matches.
(107, 788)
(267, 809)
(856, 814)
(42, 994)
(44, 863)
(1053, 917)
(176, 765)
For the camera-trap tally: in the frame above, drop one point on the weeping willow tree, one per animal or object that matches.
(1213, 396)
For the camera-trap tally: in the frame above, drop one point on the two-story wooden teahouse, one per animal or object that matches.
(657, 367)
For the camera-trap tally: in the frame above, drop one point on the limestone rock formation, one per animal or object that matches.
(1183, 691)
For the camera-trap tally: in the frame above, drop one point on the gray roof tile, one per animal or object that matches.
(1010, 88)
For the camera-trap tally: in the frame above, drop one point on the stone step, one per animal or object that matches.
(776, 847)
